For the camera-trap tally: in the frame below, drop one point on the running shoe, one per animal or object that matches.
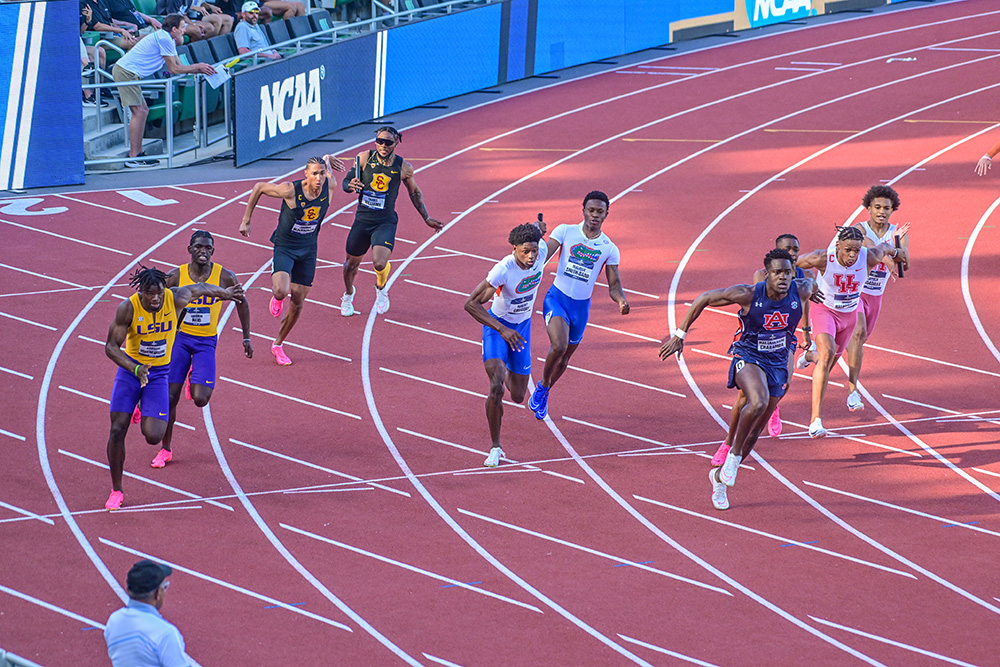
(347, 304)
(720, 455)
(727, 473)
(381, 301)
(854, 403)
(114, 500)
(816, 429)
(539, 401)
(802, 363)
(774, 423)
(719, 499)
(280, 356)
(137, 414)
(163, 457)
(276, 307)
(493, 460)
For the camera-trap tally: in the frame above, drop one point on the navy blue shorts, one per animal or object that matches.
(194, 353)
(155, 396)
(299, 263)
(576, 312)
(364, 235)
(777, 376)
(495, 347)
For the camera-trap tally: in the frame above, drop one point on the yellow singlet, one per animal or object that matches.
(150, 337)
(201, 315)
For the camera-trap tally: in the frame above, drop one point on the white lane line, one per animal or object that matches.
(27, 513)
(987, 472)
(240, 239)
(151, 482)
(297, 346)
(51, 607)
(957, 48)
(682, 448)
(225, 584)
(933, 361)
(412, 568)
(195, 192)
(306, 491)
(594, 552)
(618, 379)
(882, 503)
(553, 473)
(931, 407)
(630, 291)
(824, 64)
(26, 321)
(46, 291)
(832, 433)
(772, 536)
(17, 373)
(108, 402)
(623, 333)
(481, 452)
(441, 661)
(495, 471)
(445, 386)
(437, 287)
(892, 642)
(966, 292)
(315, 466)
(798, 69)
(66, 238)
(660, 649)
(137, 510)
(465, 254)
(42, 275)
(436, 333)
(9, 434)
(291, 398)
(117, 210)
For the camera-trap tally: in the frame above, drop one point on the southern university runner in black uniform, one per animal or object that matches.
(376, 177)
(769, 314)
(303, 209)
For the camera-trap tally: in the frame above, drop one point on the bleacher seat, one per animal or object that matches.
(147, 7)
(299, 26)
(201, 52)
(277, 32)
(320, 19)
(223, 47)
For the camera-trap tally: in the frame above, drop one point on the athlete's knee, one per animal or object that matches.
(201, 401)
(517, 394)
(496, 391)
(118, 432)
(380, 264)
(756, 405)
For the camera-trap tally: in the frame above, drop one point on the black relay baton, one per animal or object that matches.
(899, 267)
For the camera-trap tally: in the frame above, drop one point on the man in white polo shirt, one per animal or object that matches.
(146, 58)
(137, 635)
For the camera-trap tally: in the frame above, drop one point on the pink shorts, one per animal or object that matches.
(838, 325)
(871, 305)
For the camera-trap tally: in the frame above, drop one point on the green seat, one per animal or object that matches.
(147, 7)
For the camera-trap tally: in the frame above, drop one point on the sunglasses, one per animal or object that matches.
(254, 11)
(384, 142)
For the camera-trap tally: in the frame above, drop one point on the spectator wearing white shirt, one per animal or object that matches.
(248, 34)
(150, 55)
(137, 635)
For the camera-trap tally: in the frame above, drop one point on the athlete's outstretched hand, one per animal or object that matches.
(334, 163)
(671, 345)
(903, 230)
(234, 293)
(817, 296)
(436, 225)
(513, 339)
(984, 164)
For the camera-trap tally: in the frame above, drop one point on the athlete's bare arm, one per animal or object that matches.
(886, 251)
(228, 279)
(814, 260)
(184, 295)
(759, 275)
(284, 191)
(615, 287)
(174, 278)
(741, 295)
(474, 306)
(417, 197)
(116, 338)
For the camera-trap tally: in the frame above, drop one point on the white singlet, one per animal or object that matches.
(877, 279)
(841, 286)
(581, 260)
(516, 287)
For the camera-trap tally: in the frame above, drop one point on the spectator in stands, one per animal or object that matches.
(137, 634)
(148, 57)
(210, 13)
(196, 27)
(87, 71)
(125, 11)
(249, 36)
(95, 16)
(286, 9)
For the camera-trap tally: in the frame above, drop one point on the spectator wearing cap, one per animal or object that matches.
(248, 34)
(149, 56)
(137, 635)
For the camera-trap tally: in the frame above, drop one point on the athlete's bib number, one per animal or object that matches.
(153, 349)
(771, 344)
(299, 228)
(373, 200)
(578, 270)
(198, 317)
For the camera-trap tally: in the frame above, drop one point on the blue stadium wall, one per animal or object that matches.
(41, 136)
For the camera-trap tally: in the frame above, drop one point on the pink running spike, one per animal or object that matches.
(720, 455)
(136, 415)
(280, 356)
(276, 306)
(774, 423)
(114, 500)
(163, 457)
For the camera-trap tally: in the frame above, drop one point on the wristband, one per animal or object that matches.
(988, 158)
(246, 340)
(135, 371)
(807, 329)
(895, 251)
(680, 333)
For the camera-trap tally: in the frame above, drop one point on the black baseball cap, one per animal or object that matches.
(146, 576)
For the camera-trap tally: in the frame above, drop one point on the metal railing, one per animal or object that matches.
(11, 660)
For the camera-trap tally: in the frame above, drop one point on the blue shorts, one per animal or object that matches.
(299, 263)
(777, 376)
(154, 397)
(196, 353)
(576, 312)
(495, 347)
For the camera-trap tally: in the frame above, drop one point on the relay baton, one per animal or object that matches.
(899, 267)
(357, 167)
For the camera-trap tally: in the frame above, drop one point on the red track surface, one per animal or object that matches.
(601, 545)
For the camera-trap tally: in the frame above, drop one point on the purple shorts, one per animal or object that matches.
(154, 397)
(196, 353)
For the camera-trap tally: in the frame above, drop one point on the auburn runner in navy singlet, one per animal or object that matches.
(377, 184)
(770, 312)
(303, 210)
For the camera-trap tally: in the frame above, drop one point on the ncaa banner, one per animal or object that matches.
(41, 123)
(763, 12)
(291, 101)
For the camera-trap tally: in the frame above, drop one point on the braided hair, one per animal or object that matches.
(145, 278)
(850, 234)
(776, 253)
(526, 233)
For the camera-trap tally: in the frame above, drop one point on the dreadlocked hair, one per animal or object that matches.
(526, 233)
(201, 233)
(391, 130)
(776, 253)
(599, 196)
(144, 278)
(850, 234)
